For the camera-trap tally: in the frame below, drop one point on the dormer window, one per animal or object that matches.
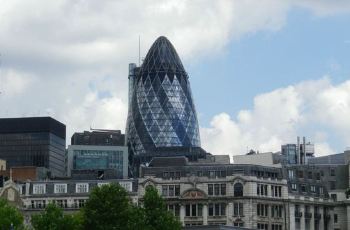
(82, 188)
(60, 188)
(39, 188)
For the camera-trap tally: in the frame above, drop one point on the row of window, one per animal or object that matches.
(171, 190)
(219, 174)
(216, 189)
(217, 209)
(308, 209)
(214, 209)
(220, 189)
(213, 190)
(309, 175)
(262, 190)
(176, 175)
(265, 226)
(272, 175)
(79, 187)
(304, 188)
(211, 174)
(263, 210)
(60, 188)
(41, 204)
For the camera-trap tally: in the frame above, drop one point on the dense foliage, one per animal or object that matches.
(10, 216)
(157, 217)
(54, 219)
(109, 207)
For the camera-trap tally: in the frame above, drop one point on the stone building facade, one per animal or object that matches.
(70, 195)
(252, 196)
(215, 192)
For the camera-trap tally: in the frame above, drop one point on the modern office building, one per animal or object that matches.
(298, 153)
(161, 108)
(98, 153)
(98, 158)
(33, 141)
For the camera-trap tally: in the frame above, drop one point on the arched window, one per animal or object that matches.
(238, 189)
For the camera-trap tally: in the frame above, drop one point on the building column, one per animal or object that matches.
(249, 212)
(205, 214)
(229, 214)
(291, 216)
(321, 223)
(348, 216)
(331, 220)
(302, 219)
(312, 219)
(70, 202)
(182, 214)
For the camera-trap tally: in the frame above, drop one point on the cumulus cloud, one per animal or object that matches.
(277, 117)
(68, 59)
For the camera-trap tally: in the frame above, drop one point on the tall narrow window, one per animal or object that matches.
(238, 189)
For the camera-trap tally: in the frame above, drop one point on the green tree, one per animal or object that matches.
(9, 216)
(157, 217)
(109, 207)
(54, 219)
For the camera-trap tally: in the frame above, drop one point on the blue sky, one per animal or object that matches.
(307, 47)
(262, 72)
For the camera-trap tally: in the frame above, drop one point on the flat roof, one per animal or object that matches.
(32, 125)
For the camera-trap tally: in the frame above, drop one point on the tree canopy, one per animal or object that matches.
(9, 216)
(157, 217)
(108, 207)
(54, 219)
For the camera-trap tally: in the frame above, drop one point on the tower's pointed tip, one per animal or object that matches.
(162, 39)
(162, 56)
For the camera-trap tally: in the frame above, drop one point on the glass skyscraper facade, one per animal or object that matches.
(161, 109)
(33, 141)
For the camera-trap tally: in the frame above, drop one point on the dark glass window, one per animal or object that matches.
(332, 172)
(188, 210)
(238, 189)
(300, 174)
(216, 189)
(309, 175)
(303, 188)
(223, 189)
(210, 189)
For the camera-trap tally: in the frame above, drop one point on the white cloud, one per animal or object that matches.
(317, 107)
(14, 83)
(59, 56)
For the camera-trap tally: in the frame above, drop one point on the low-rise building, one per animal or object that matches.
(70, 195)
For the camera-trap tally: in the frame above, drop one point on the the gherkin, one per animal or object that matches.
(161, 109)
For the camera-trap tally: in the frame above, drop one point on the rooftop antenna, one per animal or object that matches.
(139, 50)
